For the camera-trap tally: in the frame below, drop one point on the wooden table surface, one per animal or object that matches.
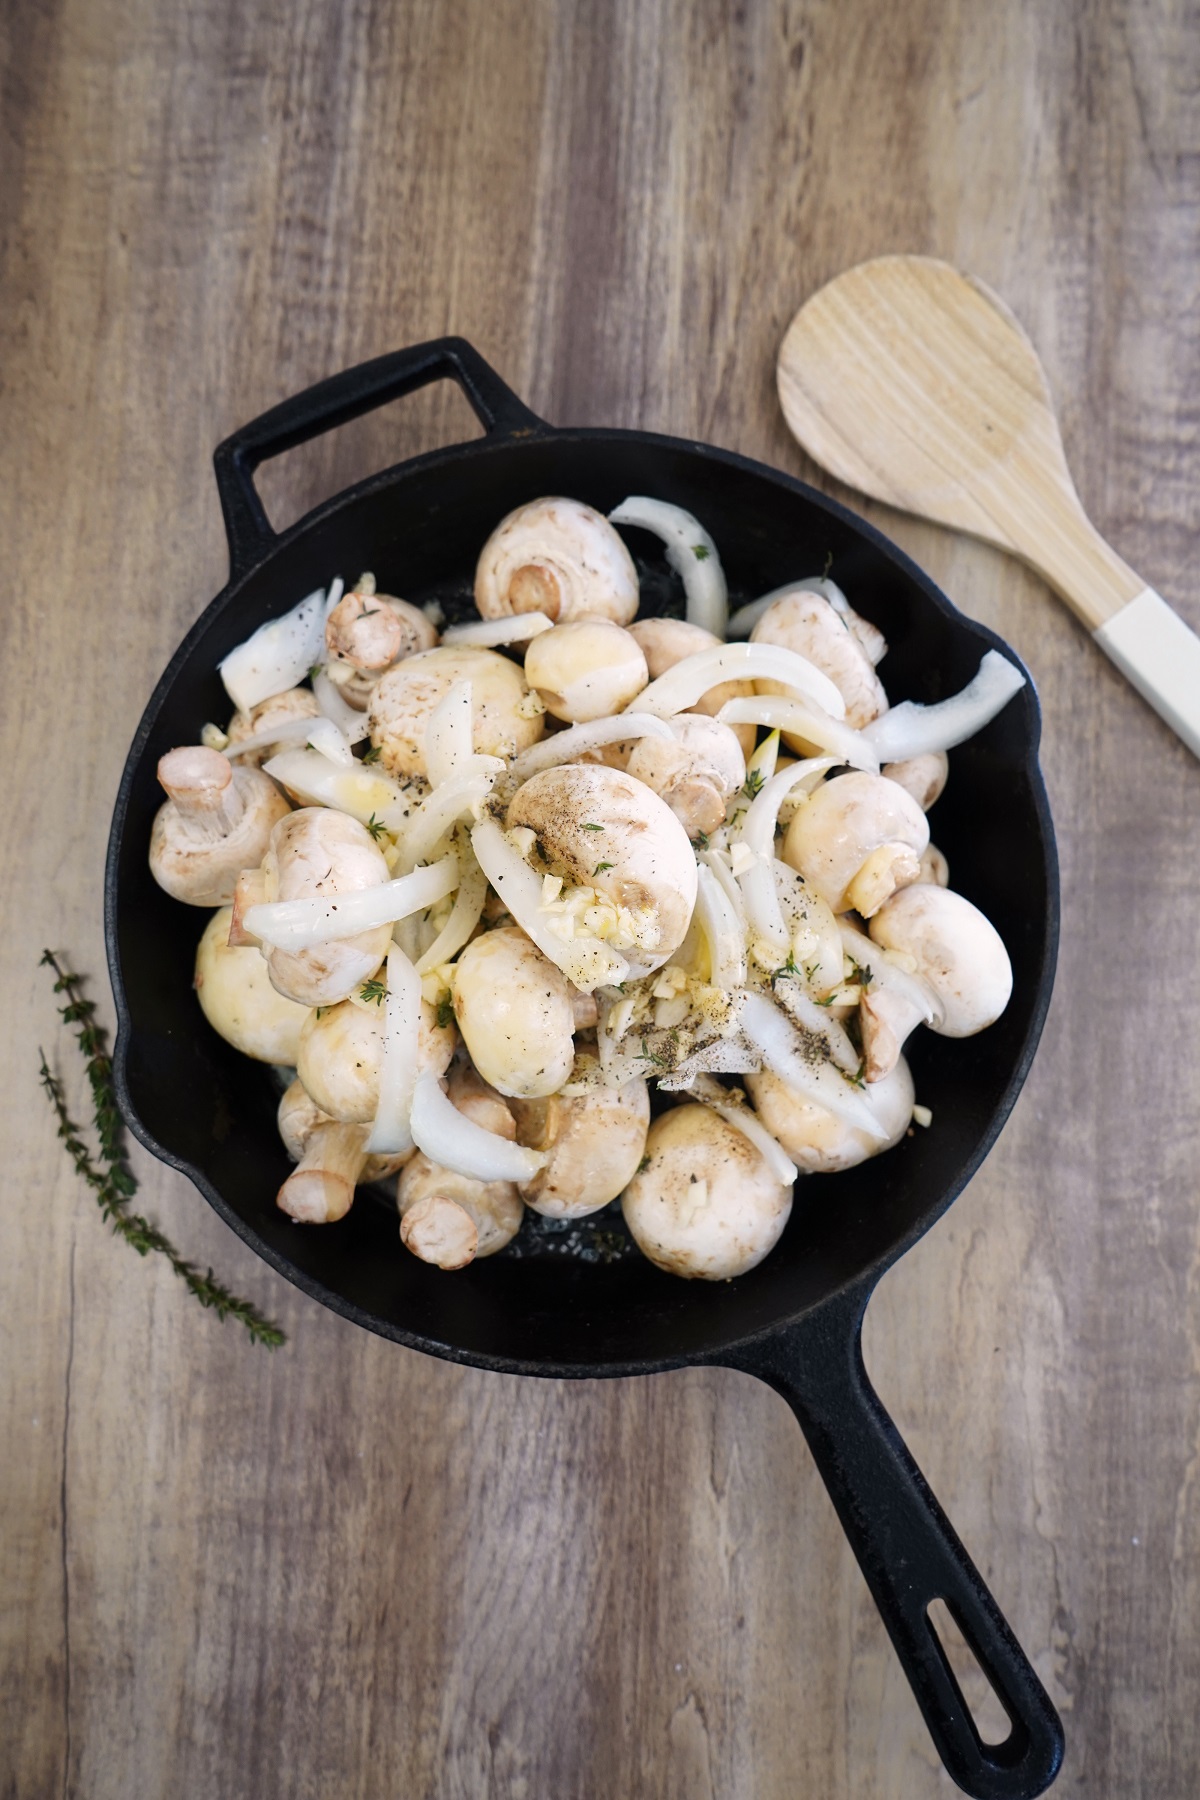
(347, 1570)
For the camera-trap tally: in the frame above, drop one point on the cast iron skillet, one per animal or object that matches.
(559, 1309)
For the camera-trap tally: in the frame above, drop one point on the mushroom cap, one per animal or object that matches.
(922, 776)
(504, 718)
(854, 833)
(696, 774)
(340, 1056)
(594, 1141)
(278, 709)
(665, 642)
(604, 830)
(198, 859)
(585, 669)
(235, 994)
(817, 1142)
(513, 1007)
(448, 1219)
(958, 951)
(319, 852)
(806, 623)
(368, 632)
(558, 557)
(706, 1204)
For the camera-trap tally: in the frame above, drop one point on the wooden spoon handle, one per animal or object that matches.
(1160, 656)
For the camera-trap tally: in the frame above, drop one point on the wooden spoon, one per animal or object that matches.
(915, 384)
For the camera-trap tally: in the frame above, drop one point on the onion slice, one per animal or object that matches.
(335, 706)
(911, 729)
(278, 655)
(813, 1078)
(587, 961)
(746, 617)
(721, 927)
(361, 790)
(516, 629)
(299, 924)
(288, 731)
(710, 1093)
(453, 1141)
(465, 915)
(887, 973)
(401, 1048)
(690, 678)
(448, 741)
(690, 551)
(330, 741)
(806, 721)
(764, 914)
(564, 746)
(460, 794)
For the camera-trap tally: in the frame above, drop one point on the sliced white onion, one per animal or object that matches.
(717, 862)
(587, 961)
(710, 1093)
(911, 729)
(335, 706)
(278, 655)
(805, 721)
(460, 796)
(764, 916)
(401, 1048)
(361, 790)
(465, 915)
(746, 617)
(806, 1013)
(288, 731)
(813, 1078)
(719, 922)
(690, 550)
(516, 629)
(329, 740)
(690, 678)
(887, 973)
(448, 740)
(763, 761)
(299, 924)
(564, 746)
(453, 1141)
(337, 588)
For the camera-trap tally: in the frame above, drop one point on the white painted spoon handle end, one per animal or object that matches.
(1160, 656)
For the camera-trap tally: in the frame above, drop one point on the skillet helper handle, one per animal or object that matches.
(335, 402)
(909, 1553)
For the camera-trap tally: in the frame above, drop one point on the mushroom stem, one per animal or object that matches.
(320, 1188)
(200, 783)
(252, 889)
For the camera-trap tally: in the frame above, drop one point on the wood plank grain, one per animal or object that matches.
(347, 1570)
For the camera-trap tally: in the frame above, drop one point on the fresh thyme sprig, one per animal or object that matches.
(110, 1177)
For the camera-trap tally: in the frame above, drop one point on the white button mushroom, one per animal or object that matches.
(856, 840)
(216, 821)
(319, 853)
(340, 1054)
(806, 623)
(557, 557)
(706, 1203)
(695, 771)
(594, 1142)
(664, 642)
(505, 717)
(934, 867)
(332, 1158)
(513, 1007)
(585, 669)
(955, 948)
(236, 996)
(922, 776)
(366, 633)
(283, 711)
(817, 1141)
(606, 834)
(449, 1219)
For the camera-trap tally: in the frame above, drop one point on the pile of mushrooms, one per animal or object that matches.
(479, 892)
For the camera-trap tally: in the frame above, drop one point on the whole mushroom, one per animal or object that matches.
(366, 633)
(235, 994)
(318, 853)
(216, 821)
(515, 1012)
(340, 1055)
(505, 717)
(696, 774)
(856, 839)
(955, 949)
(922, 776)
(664, 642)
(279, 710)
(449, 1219)
(585, 669)
(818, 1142)
(594, 1142)
(805, 622)
(706, 1203)
(332, 1159)
(557, 557)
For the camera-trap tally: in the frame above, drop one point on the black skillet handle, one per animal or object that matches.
(909, 1553)
(335, 402)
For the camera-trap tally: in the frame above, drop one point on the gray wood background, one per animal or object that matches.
(346, 1570)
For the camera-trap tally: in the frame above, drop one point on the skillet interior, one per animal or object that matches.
(207, 1110)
